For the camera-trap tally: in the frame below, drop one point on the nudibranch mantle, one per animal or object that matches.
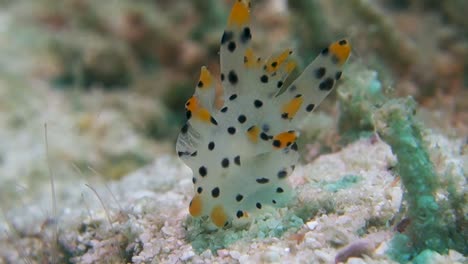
(242, 152)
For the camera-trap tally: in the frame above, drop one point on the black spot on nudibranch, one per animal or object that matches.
(215, 192)
(264, 78)
(273, 201)
(231, 130)
(264, 136)
(326, 85)
(199, 190)
(282, 174)
(222, 77)
(224, 109)
(239, 197)
(258, 205)
(279, 84)
(188, 114)
(225, 163)
(232, 97)
(203, 171)
(232, 46)
(294, 146)
(276, 143)
(342, 42)
(194, 180)
(241, 119)
(246, 35)
(324, 52)
(194, 154)
(274, 64)
(227, 36)
(320, 72)
(338, 75)
(213, 121)
(279, 190)
(310, 107)
(232, 76)
(211, 145)
(285, 115)
(237, 160)
(258, 103)
(239, 214)
(200, 84)
(262, 180)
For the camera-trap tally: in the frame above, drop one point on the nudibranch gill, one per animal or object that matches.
(242, 153)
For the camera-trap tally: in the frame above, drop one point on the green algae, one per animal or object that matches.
(323, 205)
(265, 226)
(343, 183)
(427, 256)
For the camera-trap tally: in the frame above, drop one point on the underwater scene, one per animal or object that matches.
(234, 131)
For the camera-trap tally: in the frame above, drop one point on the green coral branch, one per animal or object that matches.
(429, 229)
(436, 224)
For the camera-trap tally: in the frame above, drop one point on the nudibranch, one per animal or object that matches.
(242, 153)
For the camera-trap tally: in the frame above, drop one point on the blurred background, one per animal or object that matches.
(110, 78)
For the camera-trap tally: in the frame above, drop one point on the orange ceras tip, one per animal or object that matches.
(341, 50)
(205, 78)
(240, 14)
(218, 216)
(195, 207)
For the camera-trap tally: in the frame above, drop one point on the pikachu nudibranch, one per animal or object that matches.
(242, 153)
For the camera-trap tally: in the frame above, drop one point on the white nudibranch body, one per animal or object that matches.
(242, 152)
